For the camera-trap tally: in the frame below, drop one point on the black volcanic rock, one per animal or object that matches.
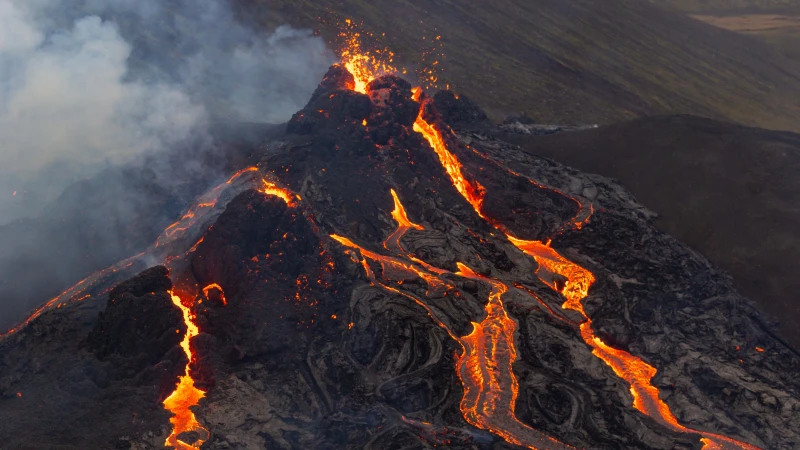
(140, 321)
(459, 110)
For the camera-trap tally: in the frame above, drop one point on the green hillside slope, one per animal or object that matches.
(581, 61)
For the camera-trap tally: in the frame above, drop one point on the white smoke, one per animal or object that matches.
(85, 84)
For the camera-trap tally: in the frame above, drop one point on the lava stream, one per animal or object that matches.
(485, 363)
(72, 292)
(472, 192)
(485, 369)
(270, 188)
(207, 201)
(626, 366)
(637, 373)
(187, 221)
(216, 287)
(186, 395)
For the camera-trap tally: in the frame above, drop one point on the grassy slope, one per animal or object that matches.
(730, 192)
(580, 61)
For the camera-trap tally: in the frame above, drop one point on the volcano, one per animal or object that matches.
(387, 274)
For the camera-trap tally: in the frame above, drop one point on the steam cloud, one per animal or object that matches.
(86, 84)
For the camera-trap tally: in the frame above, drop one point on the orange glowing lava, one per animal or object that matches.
(485, 369)
(270, 188)
(626, 366)
(485, 363)
(364, 64)
(216, 287)
(403, 225)
(472, 192)
(186, 395)
(76, 290)
(637, 373)
(207, 201)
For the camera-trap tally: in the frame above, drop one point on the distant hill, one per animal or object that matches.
(575, 62)
(728, 191)
(730, 6)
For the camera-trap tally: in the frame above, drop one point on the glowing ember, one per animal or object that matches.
(216, 287)
(186, 394)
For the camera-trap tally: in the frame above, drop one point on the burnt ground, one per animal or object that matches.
(728, 191)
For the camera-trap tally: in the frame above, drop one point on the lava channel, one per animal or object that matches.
(186, 394)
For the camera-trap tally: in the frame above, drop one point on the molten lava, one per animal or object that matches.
(485, 364)
(403, 225)
(364, 64)
(270, 188)
(216, 287)
(637, 373)
(630, 368)
(186, 394)
(485, 369)
(472, 192)
(207, 201)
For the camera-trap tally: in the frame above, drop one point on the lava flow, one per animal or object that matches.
(218, 288)
(186, 395)
(637, 373)
(485, 369)
(488, 352)
(630, 368)
(472, 192)
(171, 233)
(270, 188)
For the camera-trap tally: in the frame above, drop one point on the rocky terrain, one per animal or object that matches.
(390, 275)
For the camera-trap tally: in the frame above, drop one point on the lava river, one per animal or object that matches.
(484, 365)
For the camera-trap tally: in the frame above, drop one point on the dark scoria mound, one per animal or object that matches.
(368, 301)
(71, 380)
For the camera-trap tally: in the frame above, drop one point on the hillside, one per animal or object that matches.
(734, 6)
(728, 191)
(573, 62)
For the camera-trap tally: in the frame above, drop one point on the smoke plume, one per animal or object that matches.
(88, 84)
(108, 112)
